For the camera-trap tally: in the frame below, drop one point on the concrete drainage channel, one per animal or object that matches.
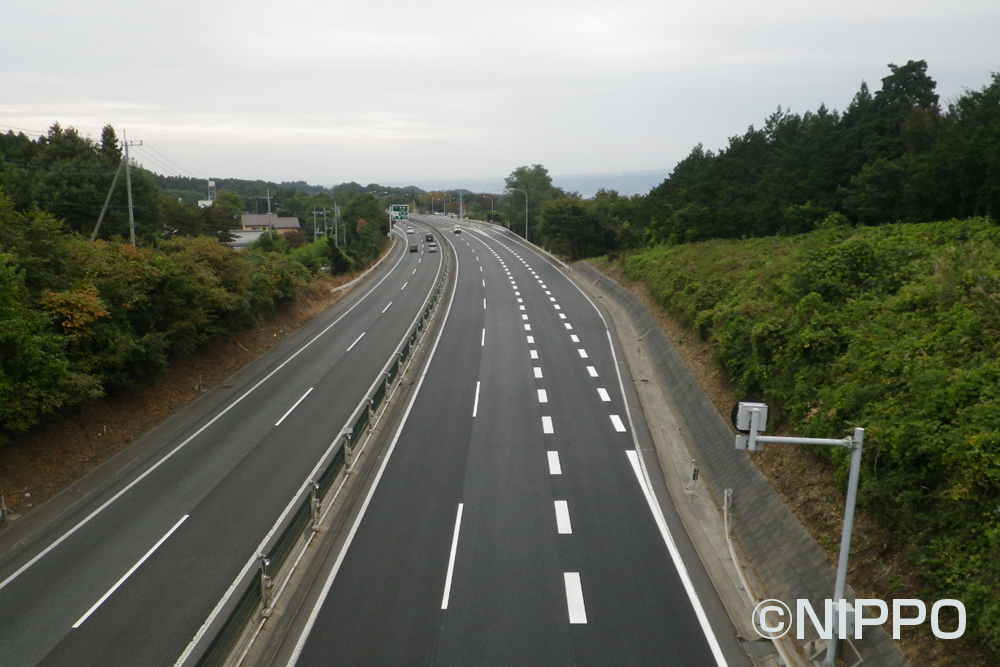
(263, 600)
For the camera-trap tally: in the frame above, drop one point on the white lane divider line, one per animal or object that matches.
(531, 340)
(527, 327)
(484, 282)
(583, 353)
(386, 307)
(484, 303)
(543, 396)
(574, 338)
(278, 423)
(574, 598)
(475, 405)
(592, 371)
(524, 316)
(617, 421)
(356, 340)
(451, 559)
(547, 425)
(404, 286)
(482, 339)
(568, 325)
(533, 353)
(555, 468)
(563, 524)
(537, 370)
(129, 573)
(675, 556)
(603, 393)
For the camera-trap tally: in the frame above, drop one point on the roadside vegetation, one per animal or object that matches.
(80, 319)
(893, 328)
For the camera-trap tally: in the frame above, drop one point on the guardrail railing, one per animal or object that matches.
(263, 586)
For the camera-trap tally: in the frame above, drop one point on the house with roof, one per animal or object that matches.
(269, 222)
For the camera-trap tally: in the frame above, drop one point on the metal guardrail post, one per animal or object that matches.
(266, 587)
(348, 453)
(315, 503)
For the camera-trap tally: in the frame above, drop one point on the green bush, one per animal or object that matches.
(79, 318)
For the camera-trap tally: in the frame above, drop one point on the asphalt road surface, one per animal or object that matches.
(126, 566)
(511, 523)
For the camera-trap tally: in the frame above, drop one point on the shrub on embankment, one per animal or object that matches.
(78, 319)
(893, 328)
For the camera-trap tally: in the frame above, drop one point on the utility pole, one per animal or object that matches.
(128, 183)
(107, 201)
(336, 218)
(315, 213)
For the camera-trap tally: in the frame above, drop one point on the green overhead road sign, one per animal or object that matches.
(399, 212)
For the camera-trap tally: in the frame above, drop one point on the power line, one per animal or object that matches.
(149, 158)
(171, 161)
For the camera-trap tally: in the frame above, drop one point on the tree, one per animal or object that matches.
(576, 228)
(537, 184)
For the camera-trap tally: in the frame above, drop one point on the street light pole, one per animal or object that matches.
(491, 206)
(750, 418)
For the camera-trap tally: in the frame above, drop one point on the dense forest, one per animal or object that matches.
(895, 155)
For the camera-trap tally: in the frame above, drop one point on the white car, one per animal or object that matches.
(409, 230)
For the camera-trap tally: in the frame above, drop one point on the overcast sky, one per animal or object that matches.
(388, 91)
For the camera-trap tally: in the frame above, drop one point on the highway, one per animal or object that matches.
(127, 566)
(510, 522)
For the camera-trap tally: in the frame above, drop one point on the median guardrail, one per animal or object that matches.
(261, 586)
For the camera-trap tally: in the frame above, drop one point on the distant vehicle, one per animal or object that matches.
(409, 230)
(430, 237)
(432, 248)
(458, 230)
(414, 247)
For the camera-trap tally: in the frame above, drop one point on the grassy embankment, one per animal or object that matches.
(893, 328)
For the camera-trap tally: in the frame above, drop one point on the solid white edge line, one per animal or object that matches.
(555, 468)
(675, 556)
(356, 341)
(574, 598)
(475, 405)
(314, 614)
(451, 559)
(128, 574)
(65, 536)
(278, 423)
